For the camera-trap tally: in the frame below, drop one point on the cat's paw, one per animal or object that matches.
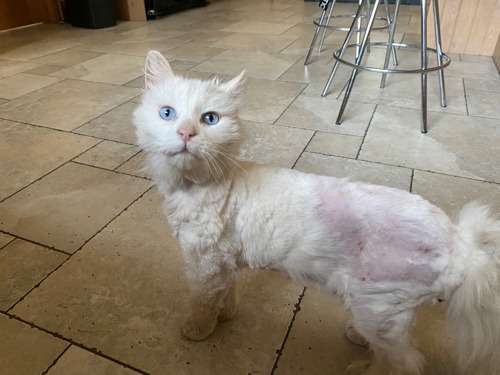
(197, 331)
(354, 336)
(227, 313)
(358, 368)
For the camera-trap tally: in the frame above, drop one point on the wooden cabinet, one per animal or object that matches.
(26, 12)
(468, 26)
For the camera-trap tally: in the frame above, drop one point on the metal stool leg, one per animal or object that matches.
(318, 28)
(389, 22)
(439, 54)
(358, 59)
(423, 56)
(358, 30)
(390, 47)
(324, 29)
(343, 49)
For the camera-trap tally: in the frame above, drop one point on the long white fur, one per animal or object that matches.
(384, 251)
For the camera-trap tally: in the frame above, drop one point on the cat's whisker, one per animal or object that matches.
(209, 160)
(232, 159)
(218, 161)
(226, 156)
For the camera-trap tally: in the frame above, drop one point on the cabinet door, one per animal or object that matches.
(26, 12)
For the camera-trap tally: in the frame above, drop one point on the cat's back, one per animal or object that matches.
(267, 183)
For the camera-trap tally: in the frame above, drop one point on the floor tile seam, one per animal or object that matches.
(289, 104)
(418, 169)
(169, 49)
(34, 181)
(412, 177)
(52, 53)
(476, 76)
(465, 97)
(303, 128)
(109, 170)
(123, 54)
(366, 132)
(59, 336)
(49, 128)
(279, 352)
(9, 242)
(102, 140)
(386, 102)
(43, 75)
(290, 54)
(105, 113)
(101, 82)
(484, 117)
(286, 71)
(55, 169)
(38, 284)
(304, 150)
(403, 167)
(194, 66)
(37, 57)
(95, 136)
(211, 57)
(48, 247)
(62, 79)
(56, 360)
(126, 161)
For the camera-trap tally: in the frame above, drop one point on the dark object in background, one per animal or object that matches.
(91, 14)
(155, 8)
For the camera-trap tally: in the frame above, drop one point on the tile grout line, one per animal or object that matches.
(126, 161)
(65, 163)
(366, 132)
(411, 180)
(105, 113)
(71, 342)
(109, 170)
(279, 352)
(405, 167)
(17, 237)
(38, 179)
(465, 97)
(289, 105)
(304, 149)
(56, 360)
(76, 251)
(36, 90)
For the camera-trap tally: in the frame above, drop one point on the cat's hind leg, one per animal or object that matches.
(386, 326)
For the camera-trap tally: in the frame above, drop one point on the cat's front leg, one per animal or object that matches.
(212, 299)
(230, 304)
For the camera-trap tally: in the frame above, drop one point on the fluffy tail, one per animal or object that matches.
(474, 311)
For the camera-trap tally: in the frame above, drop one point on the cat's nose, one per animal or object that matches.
(186, 133)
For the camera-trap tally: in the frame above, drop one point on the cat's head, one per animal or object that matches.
(189, 125)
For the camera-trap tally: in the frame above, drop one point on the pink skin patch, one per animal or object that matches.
(381, 237)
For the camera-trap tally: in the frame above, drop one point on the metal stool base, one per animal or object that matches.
(361, 47)
(337, 52)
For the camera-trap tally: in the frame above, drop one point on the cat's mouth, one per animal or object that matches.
(185, 152)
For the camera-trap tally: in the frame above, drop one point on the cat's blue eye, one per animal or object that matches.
(167, 113)
(210, 118)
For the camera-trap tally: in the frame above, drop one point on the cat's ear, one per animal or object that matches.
(156, 69)
(237, 85)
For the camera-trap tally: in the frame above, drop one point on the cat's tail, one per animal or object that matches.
(474, 309)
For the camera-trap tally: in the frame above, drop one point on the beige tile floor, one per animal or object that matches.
(91, 281)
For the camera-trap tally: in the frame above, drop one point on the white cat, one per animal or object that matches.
(383, 251)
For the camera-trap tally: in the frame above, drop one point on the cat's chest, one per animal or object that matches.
(196, 217)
